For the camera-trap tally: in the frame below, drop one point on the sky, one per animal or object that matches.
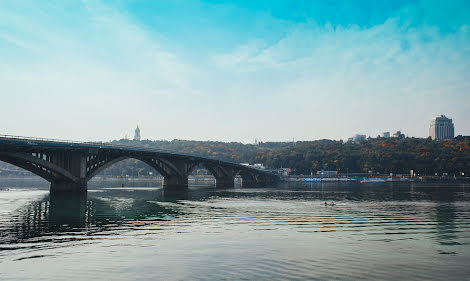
(232, 70)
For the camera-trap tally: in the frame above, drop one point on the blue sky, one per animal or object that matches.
(232, 70)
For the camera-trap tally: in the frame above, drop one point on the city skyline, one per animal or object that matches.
(355, 138)
(232, 71)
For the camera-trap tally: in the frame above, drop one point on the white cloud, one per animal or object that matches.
(102, 44)
(70, 68)
(361, 78)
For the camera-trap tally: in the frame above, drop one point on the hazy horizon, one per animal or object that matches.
(143, 138)
(232, 70)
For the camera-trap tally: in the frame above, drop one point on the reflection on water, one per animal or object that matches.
(373, 231)
(61, 214)
(446, 215)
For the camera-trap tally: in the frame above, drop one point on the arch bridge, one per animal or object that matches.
(68, 166)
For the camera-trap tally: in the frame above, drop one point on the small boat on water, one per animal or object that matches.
(329, 204)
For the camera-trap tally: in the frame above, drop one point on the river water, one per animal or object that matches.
(374, 231)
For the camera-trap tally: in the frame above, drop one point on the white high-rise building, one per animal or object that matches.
(441, 128)
(137, 134)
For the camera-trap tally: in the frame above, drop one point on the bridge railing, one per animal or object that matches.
(40, 139)
(86, 143)
(98, 144)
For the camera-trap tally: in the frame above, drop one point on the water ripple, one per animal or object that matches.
(243, 234)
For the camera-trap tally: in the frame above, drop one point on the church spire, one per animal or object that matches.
(137, 133)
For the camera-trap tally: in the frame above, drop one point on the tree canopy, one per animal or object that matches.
(378, 155)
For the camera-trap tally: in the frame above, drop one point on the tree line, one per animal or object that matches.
(379, 155)
(376, 155)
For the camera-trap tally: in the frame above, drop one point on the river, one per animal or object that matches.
(373, 231)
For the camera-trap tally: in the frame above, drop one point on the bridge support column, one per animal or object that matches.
(68, 187)
(248, 179)
(175, 183)
(224, 182)
(76, 164)
(249, 183)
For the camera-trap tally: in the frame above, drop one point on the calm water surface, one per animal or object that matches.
(376, 231)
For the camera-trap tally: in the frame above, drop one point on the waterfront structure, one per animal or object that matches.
(284, 171)
(322, 172)
(137, 134)
(441, 128)
(68, 166)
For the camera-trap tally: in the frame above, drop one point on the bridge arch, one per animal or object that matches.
(39, 164)
(96, 167)
(224, 174)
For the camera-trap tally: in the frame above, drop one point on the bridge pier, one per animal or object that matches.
(254, 180)
(224, 182)
(175, 183)
(249, 183)
(74, 163)
(67, 187)
(248, 179)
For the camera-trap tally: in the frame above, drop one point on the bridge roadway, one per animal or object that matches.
(69, 165)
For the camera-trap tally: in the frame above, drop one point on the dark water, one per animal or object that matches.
(376, 231)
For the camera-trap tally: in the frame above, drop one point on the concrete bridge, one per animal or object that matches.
(68, 166)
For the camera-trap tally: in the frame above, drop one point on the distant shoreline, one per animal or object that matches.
(293, 178)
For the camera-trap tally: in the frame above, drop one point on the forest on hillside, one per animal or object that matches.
(380, 155)
(377, 155)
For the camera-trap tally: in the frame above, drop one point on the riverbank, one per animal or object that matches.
(378, 178)
(33, 181)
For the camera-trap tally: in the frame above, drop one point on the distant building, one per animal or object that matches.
(399, 135)
(441, 128)
(462, 138)
(259, 166)
(386, 134)
(137, 134)
(357, 138)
